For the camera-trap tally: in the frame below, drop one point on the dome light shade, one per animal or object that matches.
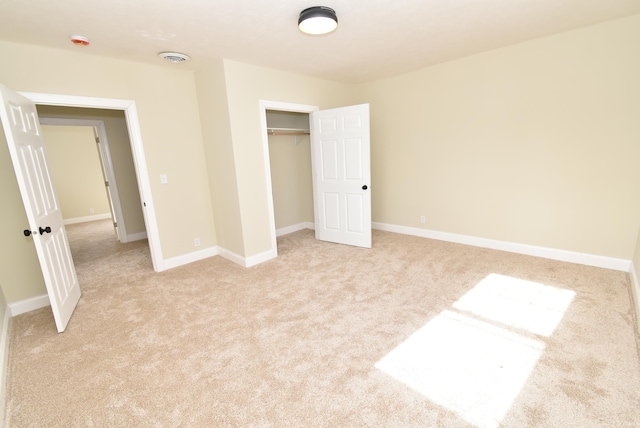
(318, 20)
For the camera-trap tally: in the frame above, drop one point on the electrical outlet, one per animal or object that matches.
(196, 242)
(164, 179)
(422, 219)
(91, 210)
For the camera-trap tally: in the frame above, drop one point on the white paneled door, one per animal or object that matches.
(342, 175)
(26, 146)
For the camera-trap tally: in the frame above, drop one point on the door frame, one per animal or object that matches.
(137, 150)
(279, 106)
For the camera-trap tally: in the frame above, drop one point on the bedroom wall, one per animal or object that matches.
(531, 143)
(535, 143)
(219, 156)
(167, 107)
(241, 87)
(75, 168)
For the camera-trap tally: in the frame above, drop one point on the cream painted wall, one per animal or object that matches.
(74, 165)
(20, 274)
(167, 107)
(212, 102)
(536, 143)
(121, 158)
(291, 179)
(245, 86)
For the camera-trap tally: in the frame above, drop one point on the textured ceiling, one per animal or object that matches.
(374, 39)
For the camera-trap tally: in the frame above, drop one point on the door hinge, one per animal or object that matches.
(106, 184)
(115, 224)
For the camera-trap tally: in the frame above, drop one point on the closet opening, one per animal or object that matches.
(290, 162)
(287, 153)
(338, 195)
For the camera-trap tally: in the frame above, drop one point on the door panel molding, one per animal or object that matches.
(340, 154)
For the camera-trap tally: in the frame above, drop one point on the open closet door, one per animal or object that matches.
(342, 175)
(26, 146)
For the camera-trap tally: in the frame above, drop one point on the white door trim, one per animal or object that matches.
(105, 154)
(281, 106)
(137, 150)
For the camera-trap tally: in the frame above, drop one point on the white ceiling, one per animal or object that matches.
(374, 39)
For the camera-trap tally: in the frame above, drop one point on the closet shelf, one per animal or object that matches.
(287, 131)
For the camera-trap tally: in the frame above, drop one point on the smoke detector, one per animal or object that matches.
(79, 40)
(174, 57)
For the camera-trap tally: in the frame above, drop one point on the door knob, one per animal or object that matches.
(26, 232)
(45, 230)
(364, 187)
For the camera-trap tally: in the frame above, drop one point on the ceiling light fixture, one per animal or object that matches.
(174, 57)
(318, 20)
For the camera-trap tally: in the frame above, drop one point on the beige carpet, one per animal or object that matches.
(413, 333)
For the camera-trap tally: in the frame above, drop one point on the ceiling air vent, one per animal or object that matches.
(174, 57)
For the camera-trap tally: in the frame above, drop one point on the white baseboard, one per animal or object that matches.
(4, 358)
(134, 237)
(87, 218)
(261, 258)
(217, 251)
(28, 305)
(512, 247)
(635, 291)
(294, 228)
(548, 253)
(247, 261)
(232, 257)
(188, 258)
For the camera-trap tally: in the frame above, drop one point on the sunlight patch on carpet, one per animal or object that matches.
(475, 359)
(517, 303)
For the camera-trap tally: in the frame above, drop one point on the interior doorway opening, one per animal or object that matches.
(291, 176)
(76, 167)
(275, 107)
(137, 151)
(341, 171)
(110, 141)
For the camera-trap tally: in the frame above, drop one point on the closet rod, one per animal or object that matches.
(288, 132)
